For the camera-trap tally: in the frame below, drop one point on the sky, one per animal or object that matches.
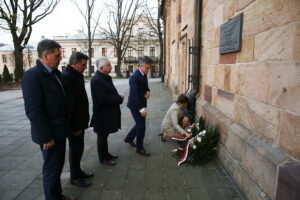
(65, 19)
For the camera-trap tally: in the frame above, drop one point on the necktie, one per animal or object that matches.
(58, 77)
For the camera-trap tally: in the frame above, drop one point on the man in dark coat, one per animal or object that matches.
(79, 116)
(106, 117)
(47, 106)
(137, 103)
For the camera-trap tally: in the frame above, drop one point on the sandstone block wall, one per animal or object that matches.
(257, 89)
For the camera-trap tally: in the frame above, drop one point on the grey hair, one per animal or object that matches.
(145, 60)
(100, 62)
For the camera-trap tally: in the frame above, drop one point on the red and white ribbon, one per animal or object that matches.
(186, 148)
(179, 138)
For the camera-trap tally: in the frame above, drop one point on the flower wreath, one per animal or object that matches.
(200, 147)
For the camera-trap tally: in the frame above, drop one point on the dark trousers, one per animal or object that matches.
(102, 145)
(138, 130)
(54, 159)
(76, 147)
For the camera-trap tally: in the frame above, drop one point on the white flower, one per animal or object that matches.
(199, 139)
(202, 132)
(194, 146)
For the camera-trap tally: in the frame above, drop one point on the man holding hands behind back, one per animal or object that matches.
(106, 117)
(137, 103)
(73, 75)
(47, 106)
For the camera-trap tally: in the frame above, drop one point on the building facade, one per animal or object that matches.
(252, 95)
(143, 43)
(7, 57)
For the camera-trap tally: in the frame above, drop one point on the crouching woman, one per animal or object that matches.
(175, 121)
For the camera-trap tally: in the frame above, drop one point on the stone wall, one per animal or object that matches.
(252, 95)
(257, 89)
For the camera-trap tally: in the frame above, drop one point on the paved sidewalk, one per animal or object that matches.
(133, 178)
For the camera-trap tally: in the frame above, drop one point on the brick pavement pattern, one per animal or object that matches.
(133, 178)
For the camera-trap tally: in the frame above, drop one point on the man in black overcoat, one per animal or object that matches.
(47, 106)
(73, 75)
(106, 117)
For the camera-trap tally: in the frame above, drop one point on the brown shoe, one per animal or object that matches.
(129, 142)
(63, 197)
(143, 152)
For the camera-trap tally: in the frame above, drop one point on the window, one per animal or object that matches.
(104, 52)
(115, 52)
(152, 51)
(73, 50)
(141, 51)
(130, 52)
(130, 68)
(63, 52)
(152, 32)
(4, 58)
(92, 52)
(92, 69)
(141, 30)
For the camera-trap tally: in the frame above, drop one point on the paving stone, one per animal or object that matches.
(116, 179)
(173, 178)
(157, 194)
(29, 194)
(10, 162)
(176, 194)
(111, 195)
(133, 193)
(154, 179)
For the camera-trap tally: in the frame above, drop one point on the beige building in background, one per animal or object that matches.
(7, 57)
(143, 43)
(253, 96)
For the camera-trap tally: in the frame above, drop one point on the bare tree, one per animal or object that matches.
(121, 19)
(18, 17)
(91, 24)
(153, 18)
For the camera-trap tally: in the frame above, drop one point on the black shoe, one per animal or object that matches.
(108, 162)
(142, 152)
(63, 197)
(162, 137)
(112, 157)
(130, 142)
(80, 182)
(86, 175)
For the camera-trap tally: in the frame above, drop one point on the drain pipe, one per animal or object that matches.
(195, 77)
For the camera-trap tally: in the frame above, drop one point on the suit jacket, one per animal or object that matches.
(80, 105)
(138, 84)
(106, 104)
(47, 105)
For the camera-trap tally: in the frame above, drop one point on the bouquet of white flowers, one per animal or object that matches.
(199, 148)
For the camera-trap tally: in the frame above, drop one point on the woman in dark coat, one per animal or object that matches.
(106, 117)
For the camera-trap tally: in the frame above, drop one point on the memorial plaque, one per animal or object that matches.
(231, 35)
